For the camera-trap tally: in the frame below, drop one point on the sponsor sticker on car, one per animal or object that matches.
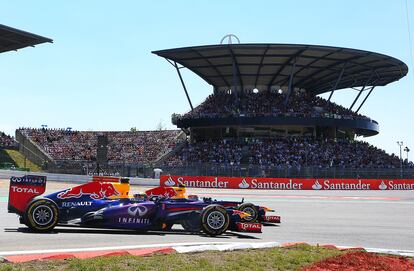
(249, 227)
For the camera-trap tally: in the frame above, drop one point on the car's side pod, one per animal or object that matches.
(22, 190)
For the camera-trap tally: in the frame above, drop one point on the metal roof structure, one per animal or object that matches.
(14, 39)
(315, 68)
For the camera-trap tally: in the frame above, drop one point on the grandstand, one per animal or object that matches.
(12, 39)
(7, 141)
(265, 117)
(63, 150)
(134, 147)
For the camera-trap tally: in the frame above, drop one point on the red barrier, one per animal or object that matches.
(286, 183)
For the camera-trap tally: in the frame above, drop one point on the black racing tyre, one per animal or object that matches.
(214, 220)
(250, 209)
(41, 215)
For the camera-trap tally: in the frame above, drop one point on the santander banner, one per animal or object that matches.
(286, 183)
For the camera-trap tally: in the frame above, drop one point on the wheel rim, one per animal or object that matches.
(251, 212)
(42, 215)
(216, 220)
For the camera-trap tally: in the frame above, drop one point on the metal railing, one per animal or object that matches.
(205, 169)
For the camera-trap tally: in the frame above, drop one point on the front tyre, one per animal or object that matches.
(252, 210)
(41, 215)
(214, 220)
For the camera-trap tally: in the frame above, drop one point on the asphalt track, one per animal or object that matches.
(376, 219)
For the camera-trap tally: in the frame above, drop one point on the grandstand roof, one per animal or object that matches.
(313, 67)
(14, 39)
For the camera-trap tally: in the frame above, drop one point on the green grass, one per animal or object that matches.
(17, 159)
(5, 158)
(292, 258)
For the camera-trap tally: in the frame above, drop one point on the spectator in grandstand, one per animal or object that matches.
(7, 141)
(266, 103)
(123, 147)
(286, 152)
(144, 147)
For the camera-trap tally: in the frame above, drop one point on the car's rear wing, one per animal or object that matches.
(22, 190)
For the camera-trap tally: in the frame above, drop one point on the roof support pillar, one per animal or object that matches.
(366, 97)
(236, 73)
(300, 52)
(183, 84)
(234, 81)
(357, 97)
(290, 81)
(360, 92)
(337, 81)
(215, 90)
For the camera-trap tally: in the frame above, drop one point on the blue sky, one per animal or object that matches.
(99, 74)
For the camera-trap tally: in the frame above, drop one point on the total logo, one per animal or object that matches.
(244, 184)
(249, 227)
(316, 186)
(137, 210)
(24, 190)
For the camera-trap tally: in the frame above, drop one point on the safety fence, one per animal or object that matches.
(72, 178)
(205, 169)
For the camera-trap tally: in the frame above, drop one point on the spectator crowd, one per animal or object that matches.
(286, 152)
(269, 104)
(272, 153)
(7, 141)
(124, 147)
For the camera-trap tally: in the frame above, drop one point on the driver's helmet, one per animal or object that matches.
(179, 192)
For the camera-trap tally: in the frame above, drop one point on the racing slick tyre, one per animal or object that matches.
(41, 215)
(250, 209)
(214, 220)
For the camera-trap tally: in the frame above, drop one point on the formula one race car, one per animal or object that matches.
(105, 202)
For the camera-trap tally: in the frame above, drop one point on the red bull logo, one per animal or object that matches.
(96, 190)
(167, 192)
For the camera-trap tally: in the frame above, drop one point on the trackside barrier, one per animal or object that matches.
(70, 178)
(287, 183)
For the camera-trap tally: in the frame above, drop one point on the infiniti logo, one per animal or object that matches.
(137, 209)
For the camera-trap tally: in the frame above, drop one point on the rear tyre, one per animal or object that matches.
(250, 209)
(214, 220)
(41, 215)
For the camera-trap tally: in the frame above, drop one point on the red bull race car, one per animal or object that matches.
(105, 202)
